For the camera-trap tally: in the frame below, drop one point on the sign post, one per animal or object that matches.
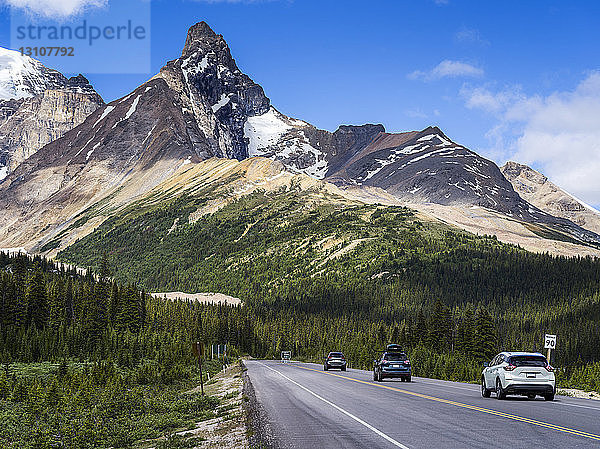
(198, 349)
(549, 344)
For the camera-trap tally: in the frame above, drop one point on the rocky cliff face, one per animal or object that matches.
(37, 105)
(214, 92)
(26, 125)
(539, 191)
(419, 166)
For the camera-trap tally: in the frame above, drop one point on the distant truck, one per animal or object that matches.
(393, 363)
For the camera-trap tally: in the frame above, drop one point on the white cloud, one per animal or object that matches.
(491, 102)
(470, 36)
(447, 69)
(54, 8)
(415, 113)
(558, 134)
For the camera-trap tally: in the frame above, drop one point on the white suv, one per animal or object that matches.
(522, 373)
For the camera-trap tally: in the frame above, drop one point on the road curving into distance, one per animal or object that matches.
(306, 407)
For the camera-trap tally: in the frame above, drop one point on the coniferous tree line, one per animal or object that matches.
(49, 312)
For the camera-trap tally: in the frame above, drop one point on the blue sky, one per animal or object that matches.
(508, 79)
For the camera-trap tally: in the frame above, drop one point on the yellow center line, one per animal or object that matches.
(468, 406)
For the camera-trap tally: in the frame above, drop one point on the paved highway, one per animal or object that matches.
(306, 407)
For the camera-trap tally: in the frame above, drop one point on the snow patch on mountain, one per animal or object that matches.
(276, 136)
(133, 107)
(20, 76)
(222, 102)
(107, 110)
(264, 131)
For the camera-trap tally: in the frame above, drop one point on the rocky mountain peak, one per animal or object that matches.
(200, 35)
(513, 170)
(79, 81)
(43, 105)
(538, 190)
(214, 91)
(24, 77)
(367, 128)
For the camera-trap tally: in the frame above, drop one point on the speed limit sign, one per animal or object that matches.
(550, 341)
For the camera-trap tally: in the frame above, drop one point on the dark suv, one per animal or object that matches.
(335, 360)
(393, 363)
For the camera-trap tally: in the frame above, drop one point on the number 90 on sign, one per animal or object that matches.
(549, 341)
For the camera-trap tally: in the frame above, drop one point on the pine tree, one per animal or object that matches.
(440, 327)
(69, 307)
(485, 335)
(55, 299)
(36, 300)
(465, 338)
(20, 277)
(114, 304)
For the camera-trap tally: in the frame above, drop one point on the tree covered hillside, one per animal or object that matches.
(353, 270)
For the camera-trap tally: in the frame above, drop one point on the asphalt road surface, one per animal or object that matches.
(308, 408)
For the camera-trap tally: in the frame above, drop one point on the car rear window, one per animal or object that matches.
(336, 354)
(395, 357)
(527, 360)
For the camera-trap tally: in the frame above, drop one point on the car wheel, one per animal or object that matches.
(531, 395)
(500, 394)
(343, 368)
(408, 379)
(374, 376)
(325, 368)
(549, 396)
(484, 391)
(379, 377)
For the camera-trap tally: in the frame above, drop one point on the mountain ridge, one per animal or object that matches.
(537, 189)
(37, 106)
(201, 106)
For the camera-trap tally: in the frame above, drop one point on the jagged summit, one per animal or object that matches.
(513, 170)
(538, 190)
(201, 35)
(78, 81)
(214, 93)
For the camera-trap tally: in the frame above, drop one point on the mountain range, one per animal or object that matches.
(71, 161)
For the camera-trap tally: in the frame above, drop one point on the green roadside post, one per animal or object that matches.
(198, 349)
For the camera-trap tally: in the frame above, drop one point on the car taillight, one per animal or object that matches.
(385, 363)
(549, 368)
(407, 362)
(509, 367)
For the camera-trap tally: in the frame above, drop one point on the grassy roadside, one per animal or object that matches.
(227, 429)
(100, 405)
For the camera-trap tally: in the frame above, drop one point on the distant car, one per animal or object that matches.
(519, 373)
(335, 360)
(393, 363)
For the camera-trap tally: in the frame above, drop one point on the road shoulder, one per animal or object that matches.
(259, 432)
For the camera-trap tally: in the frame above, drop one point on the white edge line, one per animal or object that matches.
(355, 418)
(580, 406)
